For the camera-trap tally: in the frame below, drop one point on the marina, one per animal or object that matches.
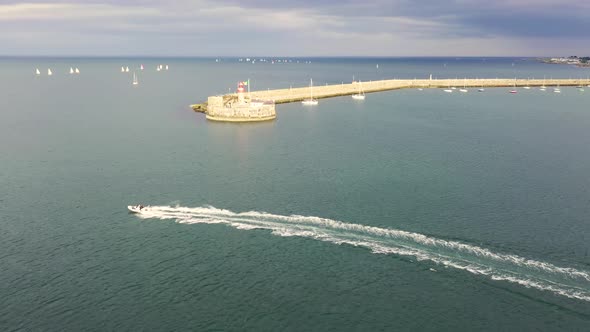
(238, 107)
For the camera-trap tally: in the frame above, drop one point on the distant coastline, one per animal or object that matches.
(571, 60)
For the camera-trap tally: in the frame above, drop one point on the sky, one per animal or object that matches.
(295, 28)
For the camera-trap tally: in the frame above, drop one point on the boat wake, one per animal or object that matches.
(569, 282)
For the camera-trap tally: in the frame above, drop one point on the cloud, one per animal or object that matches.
(371, 27)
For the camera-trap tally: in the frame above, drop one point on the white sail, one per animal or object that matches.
(127, 69)
(122, 69)
(135, 82)
(71, 70)
(141, 67)
(49, 73)
(166, 67)
(37, 71)
(77, 70)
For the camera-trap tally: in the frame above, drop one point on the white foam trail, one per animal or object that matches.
(568, 282)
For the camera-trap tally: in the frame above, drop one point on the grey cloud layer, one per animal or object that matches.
(421, 26)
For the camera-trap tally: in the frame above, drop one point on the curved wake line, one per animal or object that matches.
(564, 281)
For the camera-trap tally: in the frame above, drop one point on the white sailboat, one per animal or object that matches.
(361, 94)
(557, 89)
(464, 86)
(310, 101)
(159, 68)
(141, 67)
(37, 71)
(166, 67)
(448, 90)
(127, 69)
(71, 70)
(527, 87)
(122, 69)
(49, 72)
(77, 71)
(135, 81)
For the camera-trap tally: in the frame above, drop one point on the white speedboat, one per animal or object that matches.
(137, 208)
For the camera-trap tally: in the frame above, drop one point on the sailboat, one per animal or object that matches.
(449, 90)
(514, 89)
(159, 68)
(135, 82)
(361, 94)
(141, 67)
(166, 67)
(77, 71)
(557, 89)
(49, 72)
(71, 70)
(310, 101)
(543, 87)
(527, 87)
(126, 69)
(37, 71)
(464, 86)
(122, 69)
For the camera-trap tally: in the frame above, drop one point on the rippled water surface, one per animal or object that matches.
(413, 209)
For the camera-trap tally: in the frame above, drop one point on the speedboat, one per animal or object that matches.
(137, 208)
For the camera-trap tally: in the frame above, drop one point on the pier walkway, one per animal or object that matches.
(281, 96)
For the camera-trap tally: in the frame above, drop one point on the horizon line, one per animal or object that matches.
(279, 56)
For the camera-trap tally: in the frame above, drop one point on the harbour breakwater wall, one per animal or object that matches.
(298, 94)
(289, 95)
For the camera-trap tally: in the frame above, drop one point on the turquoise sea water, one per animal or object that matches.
(412, 210)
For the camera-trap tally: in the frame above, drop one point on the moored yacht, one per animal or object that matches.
(361, 94)
(310, 101)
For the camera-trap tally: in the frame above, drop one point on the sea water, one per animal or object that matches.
(410, 210)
